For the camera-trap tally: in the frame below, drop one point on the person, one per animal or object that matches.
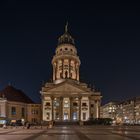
(4, 126)
(28, 125)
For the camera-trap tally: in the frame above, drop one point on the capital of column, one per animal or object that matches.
(61, 98)
(52, 97)
(79, 97)
(71, 98)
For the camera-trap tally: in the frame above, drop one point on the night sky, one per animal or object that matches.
(107, 37)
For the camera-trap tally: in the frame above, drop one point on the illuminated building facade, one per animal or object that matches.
(15, 105)
(128, 111)
(125, 112)
(66, 98)
(109, 110)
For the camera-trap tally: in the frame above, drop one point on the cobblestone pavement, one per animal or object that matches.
(72, 133)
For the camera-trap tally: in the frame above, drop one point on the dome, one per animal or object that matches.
(66, 38)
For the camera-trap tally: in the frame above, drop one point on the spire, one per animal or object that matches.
(66, 27)
(66, 38)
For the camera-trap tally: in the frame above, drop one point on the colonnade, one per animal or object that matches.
(65, 72)
(72, 108)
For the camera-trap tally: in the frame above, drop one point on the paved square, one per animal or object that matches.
(72, 133)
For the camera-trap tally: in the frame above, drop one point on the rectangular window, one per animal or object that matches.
(75, 104)
(48, 104)
(37, 112)
(92, 115)
(32, 111)
(84, 104)
(13, 111)
(84, 116)
(47, 115)
(22, 112)
(34, 120)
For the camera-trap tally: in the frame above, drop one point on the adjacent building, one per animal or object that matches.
(109, 110)
(16, 105)
(125, 112)
(128, 111)
(137, 110)
(67, 98)
(34, 113)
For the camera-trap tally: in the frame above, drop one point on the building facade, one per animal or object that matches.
(109, 110)
(15, 106)
(128, 111)
(125, 112)
(67, 98)
(137, 110)
(34, 113)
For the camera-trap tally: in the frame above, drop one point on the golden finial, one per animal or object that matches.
(66, 27)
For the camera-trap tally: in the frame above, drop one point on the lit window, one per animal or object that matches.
(84, 116)
(66, 104)
(56, 103)
(84, 104)
(22, 112)
(74, 115)
(48, 104)
(47, 115)
(75, 104)
(13, 110)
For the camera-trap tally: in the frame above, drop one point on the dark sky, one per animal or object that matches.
(107, 37)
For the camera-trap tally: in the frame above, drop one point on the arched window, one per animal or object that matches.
(71, 75)
(61, 75)
(66, 74)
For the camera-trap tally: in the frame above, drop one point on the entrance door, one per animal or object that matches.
(66, 117)
(84, 116)
(74, 116)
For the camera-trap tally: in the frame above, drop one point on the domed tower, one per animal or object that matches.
(66, 62)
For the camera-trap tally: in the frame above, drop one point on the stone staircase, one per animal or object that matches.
(57, 123)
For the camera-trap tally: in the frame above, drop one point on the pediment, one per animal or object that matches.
(66, 87)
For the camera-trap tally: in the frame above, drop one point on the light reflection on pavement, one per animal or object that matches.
(73, 133)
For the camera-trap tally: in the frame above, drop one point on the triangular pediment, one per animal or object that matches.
(67, 87)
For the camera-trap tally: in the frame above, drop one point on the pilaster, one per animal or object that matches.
(71, 109)
(80, 108)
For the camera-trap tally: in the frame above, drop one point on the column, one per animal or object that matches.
(71, 110)
(80, 108)
(69, 69)
(97, 109)
(77, 67)
(52, 98)
(61, 108)
(62, 68)
(89, 107)
(75, 70)
(56, 71)
(99, 101)
(53, 72)
(42, 107)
